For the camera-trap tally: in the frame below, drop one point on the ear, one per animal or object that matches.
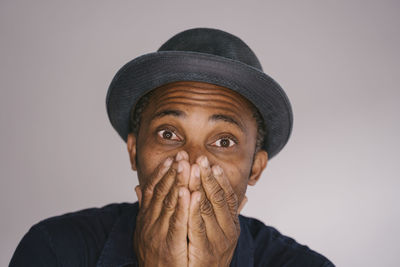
(131, 144)
(259, 164)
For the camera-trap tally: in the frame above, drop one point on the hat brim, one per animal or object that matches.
(153, 70)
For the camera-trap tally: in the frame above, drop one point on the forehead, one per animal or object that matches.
(200, 94)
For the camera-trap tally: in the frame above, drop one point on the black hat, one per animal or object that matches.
(203, 55)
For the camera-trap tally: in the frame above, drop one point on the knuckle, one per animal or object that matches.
(206, 208)
(169, 203)
(232, 197)
(232, 200)
(233, 207)
(218, 197)
(148, 192)
(171, 172)
(224, 246)
(160, 190)
(209, 177)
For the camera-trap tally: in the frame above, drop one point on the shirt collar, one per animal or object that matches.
(244, 252)
(118, 249)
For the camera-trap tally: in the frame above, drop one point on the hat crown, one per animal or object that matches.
(212, 41)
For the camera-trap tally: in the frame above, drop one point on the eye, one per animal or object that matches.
(167, 134)
(224, 142)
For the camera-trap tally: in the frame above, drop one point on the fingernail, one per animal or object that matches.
(196, 171)
(180, 167)
(217, 170)
(168, 162)
(181, 192)
(204, 162)
(179, 156)
(198, 198)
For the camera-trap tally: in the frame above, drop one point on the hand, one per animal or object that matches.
(214, 227)
(160, 237)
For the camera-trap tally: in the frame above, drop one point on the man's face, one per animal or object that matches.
(201, 119)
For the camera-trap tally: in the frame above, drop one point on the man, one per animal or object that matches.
(200, 120)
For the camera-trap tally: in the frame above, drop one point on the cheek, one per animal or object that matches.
(148, 159)
(238, 177)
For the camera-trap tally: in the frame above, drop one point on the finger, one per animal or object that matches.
(183, 173)
(161, 190)
(138, 194)
(194, 180)
(148, 188)
(171, 200)
(214, 230)
(242, 204)
(182, 158)
(179, 222)
(196, 231)
(216, 195)
(230, 195)
(182, 155)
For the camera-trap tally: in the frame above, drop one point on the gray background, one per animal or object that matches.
(335, 186)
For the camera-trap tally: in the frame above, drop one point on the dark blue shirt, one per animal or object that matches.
(104, 238)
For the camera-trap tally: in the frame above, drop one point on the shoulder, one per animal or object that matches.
(100, 220)
(271, 248)
(69, 238)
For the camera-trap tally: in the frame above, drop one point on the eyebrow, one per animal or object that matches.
(168, 112)
(215, 117)
(227, 118)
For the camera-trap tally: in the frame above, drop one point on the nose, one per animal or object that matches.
(194, 151)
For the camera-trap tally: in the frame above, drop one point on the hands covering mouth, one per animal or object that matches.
(188, 215)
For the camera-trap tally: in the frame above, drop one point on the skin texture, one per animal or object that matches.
(195, 155)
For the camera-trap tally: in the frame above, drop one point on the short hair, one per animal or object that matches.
(137, 110)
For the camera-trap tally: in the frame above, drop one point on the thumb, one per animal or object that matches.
(242, 204)
(138, 191)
